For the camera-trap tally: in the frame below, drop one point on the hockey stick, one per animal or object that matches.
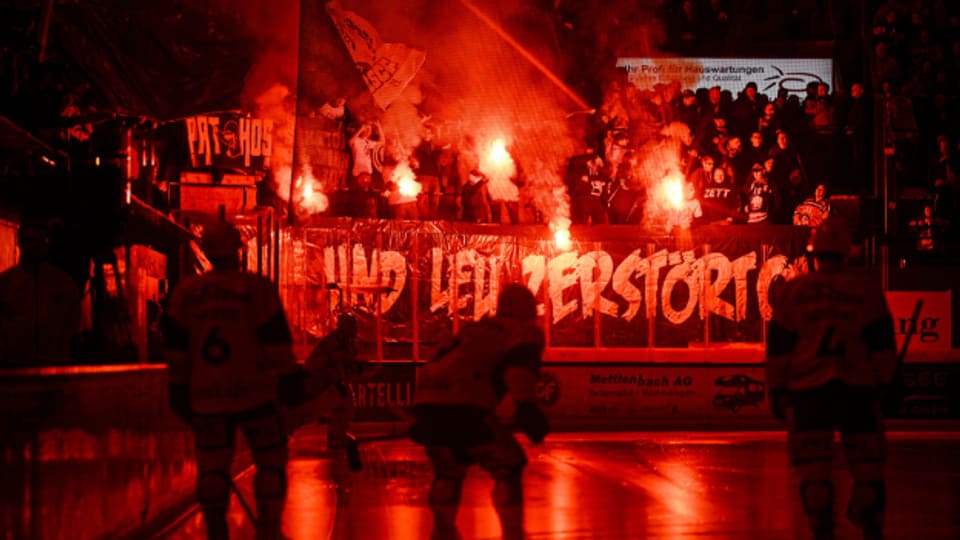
(243, 503)
(898, 386)
(352, 443)
(352, 447)
(911, 330)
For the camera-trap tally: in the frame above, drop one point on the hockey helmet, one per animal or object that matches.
(516, 302)
(347, 324)
(221, 240)
(832, 236)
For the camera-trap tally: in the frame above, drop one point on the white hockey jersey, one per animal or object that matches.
(472, 369)
(830, 326)
(233, 341)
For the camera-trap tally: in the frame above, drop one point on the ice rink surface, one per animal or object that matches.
(606, 486)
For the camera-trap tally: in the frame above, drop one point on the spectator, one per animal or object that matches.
(769, 123)
(335, 110)
(823, 128)
(450, 185)
(755, 153)
(687, 109)
(717, 23)
(945, 163)
(746, 110)
(925, 50)
(858, 138)
(785, 159)
(813, 211)
(684, 29)
(759, 198)
(733, 159)
(468, 158)
(903, 125)
(944, 199)
(39, 305)
(791, 116)
(366, 198)
(714, 107)
(626, 198)
(721, 199)
(886, 67)
(588, 190)
(890, 28)
(703, 176)
(425, 164)
(714, 140)
(929, 230)
(367, 141)
(616, 146)
(476, 199)
(504, 201)
(897, 6)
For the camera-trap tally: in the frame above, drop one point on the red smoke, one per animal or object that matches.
(473, 82)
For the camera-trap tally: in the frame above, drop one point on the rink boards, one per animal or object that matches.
(636, 395)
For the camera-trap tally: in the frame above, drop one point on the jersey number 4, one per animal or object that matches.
(830, 346)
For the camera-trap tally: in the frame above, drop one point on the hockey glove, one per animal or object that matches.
(891, 397)
(532, 421)
(779, 403)
(291, 388)
(178, 397)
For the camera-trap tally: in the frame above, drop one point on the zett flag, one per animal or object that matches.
(387, 68)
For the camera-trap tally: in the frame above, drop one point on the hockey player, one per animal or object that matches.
(831, 363)
(456, 395)
(333, 362)
(230, 359)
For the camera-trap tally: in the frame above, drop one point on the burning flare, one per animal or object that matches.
(671, 191)
(498, 153)
(563, 240)
(406, 182)
(561, 233)
(497, 163)
(311, 200)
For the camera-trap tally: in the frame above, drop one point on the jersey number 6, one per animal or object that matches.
(215, 349)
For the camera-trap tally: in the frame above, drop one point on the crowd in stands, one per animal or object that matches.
(747, 159)
(916, 68)
(752, 157)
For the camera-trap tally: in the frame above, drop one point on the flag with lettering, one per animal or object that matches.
(386, 68)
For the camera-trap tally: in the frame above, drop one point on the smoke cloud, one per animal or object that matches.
(474, 87)
(473, 83)
(269, 90)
